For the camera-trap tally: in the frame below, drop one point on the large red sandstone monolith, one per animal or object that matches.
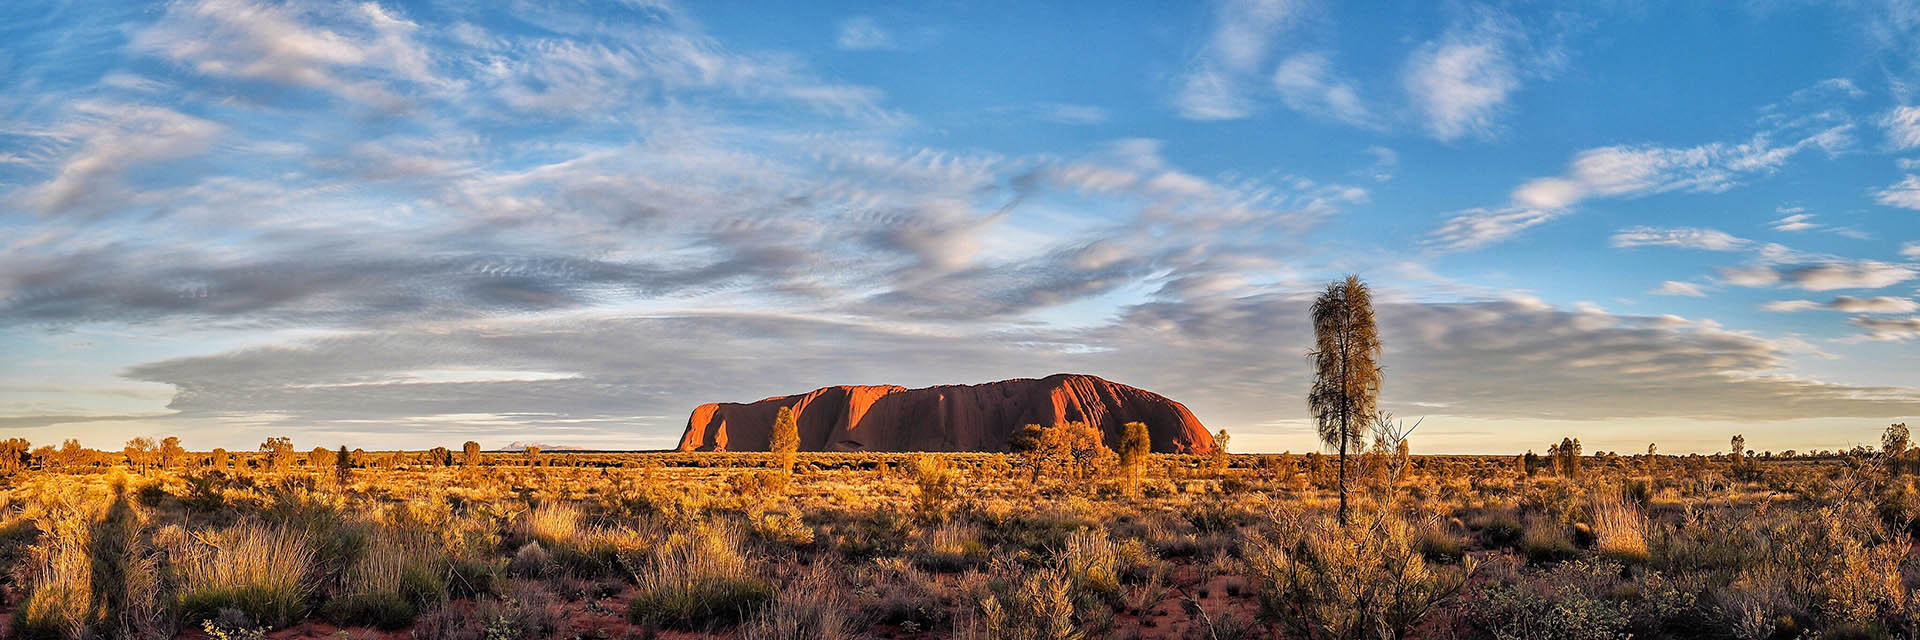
(978, 417)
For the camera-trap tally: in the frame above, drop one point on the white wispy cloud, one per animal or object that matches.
(1760, 276)
(1877, 304)
(1889, 329)
(1678, 288)
(1385, 161)
(1865, 274)
(1476, 228)
(1461, 82)
(284, 44)
(1308, 84)
(1910, 250)
(1903, 127)
(1904, 194)
(1216, 84)
(1848, 304)
(1828, 276)
(1682, 237)
(1790, 306)
(863, 33)
(1794, 221)
(1625, 171)
(103, 145)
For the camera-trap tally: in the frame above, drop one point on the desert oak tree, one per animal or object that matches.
(1346, 370)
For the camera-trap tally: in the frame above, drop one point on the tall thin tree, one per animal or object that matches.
(1136, 446)
(1346, 369)
(784, 442)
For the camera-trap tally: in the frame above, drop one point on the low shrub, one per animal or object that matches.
(698, 580)
(1499, 528)
(531, 561)
(1324, 580)
(1440, 546)
(1547, 541)
(474, 577)
(1519, 612)
(782, 528)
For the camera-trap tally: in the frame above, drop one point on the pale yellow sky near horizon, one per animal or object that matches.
(1438, 435)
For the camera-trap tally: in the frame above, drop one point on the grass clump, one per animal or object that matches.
(698, 580)
(386, 588)
(553, 524)
(1547, 540)
(1619, 528)
(1039, 606)
(251, 567)
(60, 599)
(812, 607)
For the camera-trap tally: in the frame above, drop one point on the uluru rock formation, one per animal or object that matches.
(977, 417)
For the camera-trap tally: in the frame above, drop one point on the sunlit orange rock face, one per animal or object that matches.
(978, 417)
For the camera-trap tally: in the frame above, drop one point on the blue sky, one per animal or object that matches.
(413, 224)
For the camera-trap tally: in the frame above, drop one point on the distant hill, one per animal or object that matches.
(517, 447)
(979, 417)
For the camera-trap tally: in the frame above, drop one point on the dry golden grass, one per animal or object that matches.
(260, 569)
(968, 545)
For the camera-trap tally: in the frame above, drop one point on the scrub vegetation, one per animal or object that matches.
(1069, 537)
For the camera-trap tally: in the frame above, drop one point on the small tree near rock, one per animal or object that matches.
(785, 440)
(1136, 447)
(1217, 459)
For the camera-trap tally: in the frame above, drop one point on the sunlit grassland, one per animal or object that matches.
(968, 545)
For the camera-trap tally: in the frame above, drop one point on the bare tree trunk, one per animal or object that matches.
(1343, 470)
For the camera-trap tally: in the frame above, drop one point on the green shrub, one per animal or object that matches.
(531, 561)
(526, 612)
(1510, 612)
(700, 602)
(885, 533)
(1499, 528)
(387, 611)
(1210, 517)
(1583, 600)
(1439, 546)
(1323, 580)
(473, 578)
(1547, 541)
